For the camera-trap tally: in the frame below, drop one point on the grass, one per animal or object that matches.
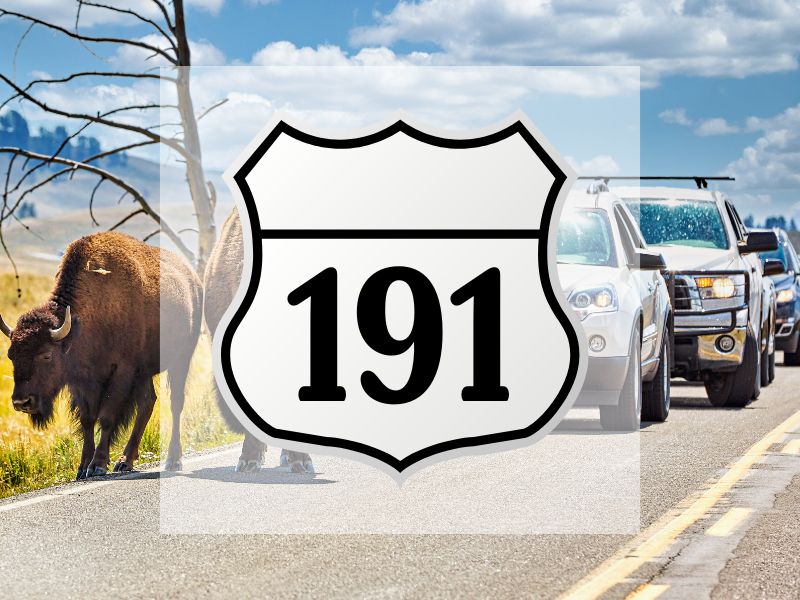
(31, 459)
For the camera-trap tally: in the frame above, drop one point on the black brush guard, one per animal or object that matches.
(670, 278)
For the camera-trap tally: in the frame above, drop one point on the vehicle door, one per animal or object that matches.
(647, 283)
(750, 263)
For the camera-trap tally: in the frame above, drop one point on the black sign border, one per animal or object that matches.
(257, 234)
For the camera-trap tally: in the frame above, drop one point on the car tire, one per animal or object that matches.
(736, 389)
(765, 380)
(627, 414)
(772, 367)
(757, 382)
(792, 359)
(656, 393)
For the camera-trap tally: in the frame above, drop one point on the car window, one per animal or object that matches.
(585, 238)
(738, 226)
(779, 254)
(785, 254)
(679, 222)
(791, 256)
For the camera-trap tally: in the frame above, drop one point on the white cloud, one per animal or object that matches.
(206, 54)
(602, 164)
(212, 6)
(286, 54)
(715, 126)
(714, 38)
(676, 116)
(772, 163)
(63, 12)
(704, 127)
(594, 82)
(131, 58)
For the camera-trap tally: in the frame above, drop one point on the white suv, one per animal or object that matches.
(614, 284)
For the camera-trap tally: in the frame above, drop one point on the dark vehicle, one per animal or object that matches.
(787, 289)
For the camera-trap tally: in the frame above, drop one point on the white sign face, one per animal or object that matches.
(396, 299)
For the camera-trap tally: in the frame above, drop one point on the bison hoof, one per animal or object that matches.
(81, 474)
(173, 464)
(96, 471)
(122, 466)
(246, 465)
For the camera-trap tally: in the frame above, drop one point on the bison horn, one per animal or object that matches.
(59, 334)
(5, 328)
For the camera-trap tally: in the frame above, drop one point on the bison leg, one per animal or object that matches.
(252, 455)
(87, 429)
(145, 401)
(298, 462)
(99, 464)
(114, 412)
(177, 382)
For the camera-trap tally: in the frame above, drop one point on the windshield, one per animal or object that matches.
(675, 222)
(584, 238)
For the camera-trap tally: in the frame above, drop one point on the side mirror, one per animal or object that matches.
(647, 260)
(759, 241)
(773, 266)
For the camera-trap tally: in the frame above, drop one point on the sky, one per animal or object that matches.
(717, 90)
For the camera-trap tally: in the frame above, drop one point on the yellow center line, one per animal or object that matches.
(792, 447)
(648, 591)
(657, 538)
(728, 522)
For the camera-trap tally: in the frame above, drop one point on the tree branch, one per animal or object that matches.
(134, 14)
(138, 211)
(98, 74)
(119, 182)
(164, 12)
(87, 38)
(212, 107)
(96, 119)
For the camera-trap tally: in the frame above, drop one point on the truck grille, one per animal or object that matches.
(694, 315)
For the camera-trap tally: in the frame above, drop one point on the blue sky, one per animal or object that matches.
(721, 84)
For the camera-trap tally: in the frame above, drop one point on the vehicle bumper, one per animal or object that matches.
(695, 354)
(605, 378)
(786, 334)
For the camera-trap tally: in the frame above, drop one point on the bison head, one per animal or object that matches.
(38, 347)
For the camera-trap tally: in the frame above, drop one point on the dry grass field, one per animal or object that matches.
(32, 459)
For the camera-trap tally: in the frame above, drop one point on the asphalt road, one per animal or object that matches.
(718, 515)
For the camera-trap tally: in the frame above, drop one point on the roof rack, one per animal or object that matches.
(700, 182)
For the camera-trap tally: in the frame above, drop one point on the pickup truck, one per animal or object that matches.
(721, 306)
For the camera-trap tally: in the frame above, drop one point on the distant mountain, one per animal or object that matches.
(15, 131)
(58, 212)
(71, 192)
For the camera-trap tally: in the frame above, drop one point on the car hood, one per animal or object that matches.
(685, 258)
(586, 275)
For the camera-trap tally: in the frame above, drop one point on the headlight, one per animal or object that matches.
(589, 301)
(720, 287)
(785, 296)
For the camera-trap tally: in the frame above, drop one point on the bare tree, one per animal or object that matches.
(26, 170)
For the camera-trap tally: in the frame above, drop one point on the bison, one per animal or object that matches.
(99, 336)
(221, 280)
